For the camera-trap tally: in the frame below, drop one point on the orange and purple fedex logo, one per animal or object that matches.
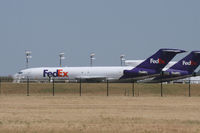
(58, 73)
(158, 61)
(189, 63)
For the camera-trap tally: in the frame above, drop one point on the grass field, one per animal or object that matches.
(95, 112)
(99, 114)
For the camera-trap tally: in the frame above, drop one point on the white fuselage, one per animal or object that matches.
(72, 73)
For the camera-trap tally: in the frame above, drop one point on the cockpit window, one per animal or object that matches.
(20, 72)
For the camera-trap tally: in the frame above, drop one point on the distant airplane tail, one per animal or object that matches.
(188, 63)
(154, 64)
(160, 59)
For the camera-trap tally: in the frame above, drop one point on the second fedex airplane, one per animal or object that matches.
(182, 69)
(148, 68)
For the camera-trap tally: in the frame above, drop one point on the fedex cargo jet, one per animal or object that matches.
(182, 69)
(148, 68)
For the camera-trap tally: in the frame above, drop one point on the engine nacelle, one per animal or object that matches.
(135, 73)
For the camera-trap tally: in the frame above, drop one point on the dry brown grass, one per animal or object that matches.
(90, 114)
(94, 112)
(99, 89)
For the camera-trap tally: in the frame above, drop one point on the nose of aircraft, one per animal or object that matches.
(18, 76)
(15, 78)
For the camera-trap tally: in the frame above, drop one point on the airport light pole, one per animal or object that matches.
(92, 58)
(122, 59)
(28, 56)
(62, 57)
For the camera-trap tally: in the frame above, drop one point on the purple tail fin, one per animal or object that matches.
(153, 65)
(188, 63)
(160, 59)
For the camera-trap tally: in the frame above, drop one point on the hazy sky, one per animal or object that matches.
(136, 28)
